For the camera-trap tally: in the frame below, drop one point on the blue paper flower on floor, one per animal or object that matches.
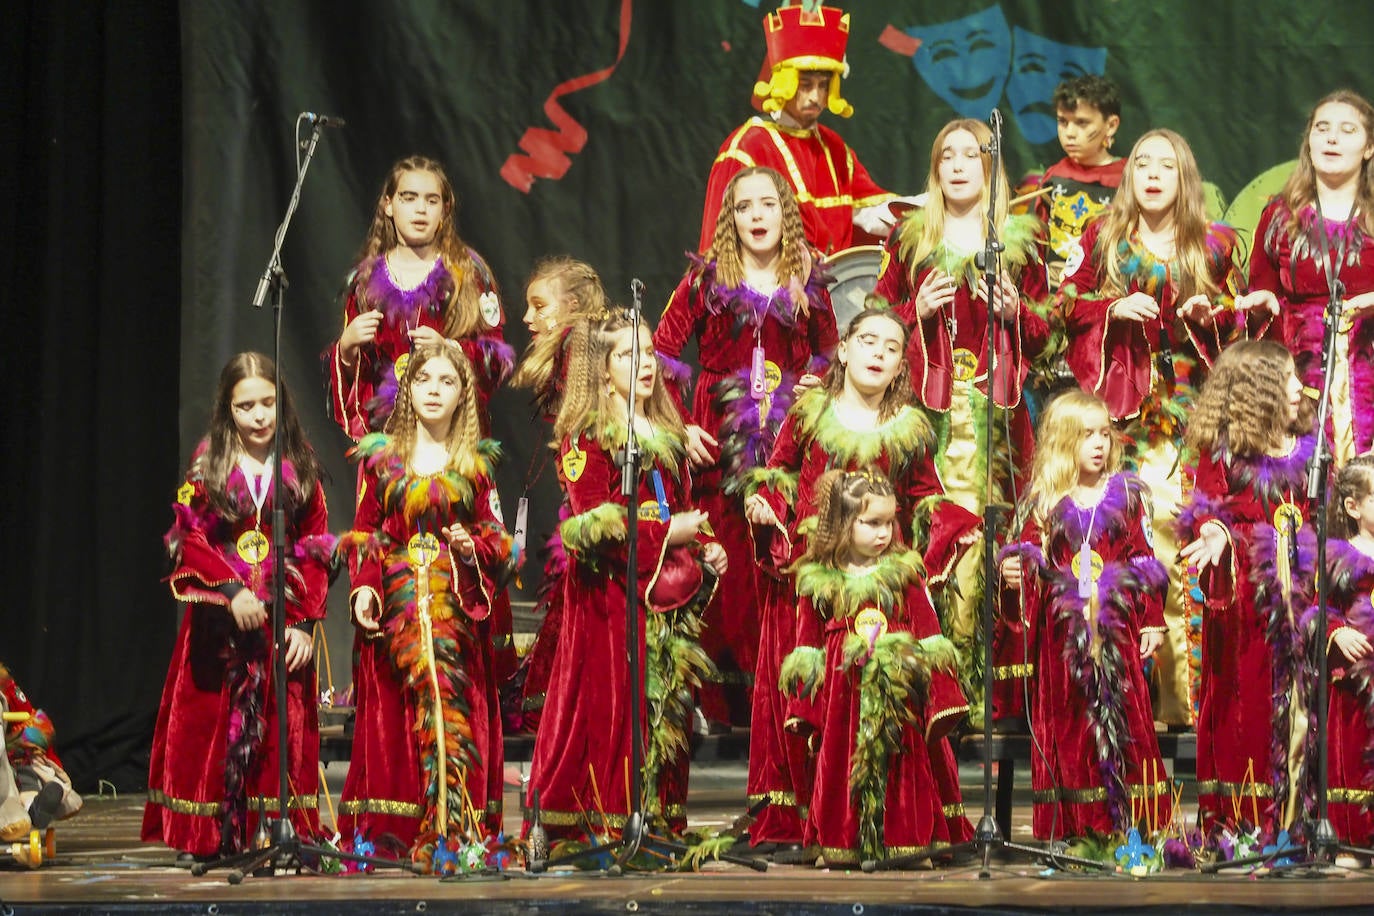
(1281, 844)
(1134, 852)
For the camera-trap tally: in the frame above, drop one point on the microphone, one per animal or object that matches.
(324, 120)
(994, 144)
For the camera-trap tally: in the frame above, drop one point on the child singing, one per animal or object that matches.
(1245, 530)
(428, 560)
(1086, 575)
(582, 751)
(872, 668)
(214, 753)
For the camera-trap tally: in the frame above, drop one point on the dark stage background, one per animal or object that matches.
(148, 158)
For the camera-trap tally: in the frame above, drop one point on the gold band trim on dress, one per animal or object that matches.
(1236, 789)
(835, 855)
(381, 806)
(775, 797)
(954, 810)
(1351, 796)
(294, 803)
(1005, 672)
(185, 805)
(1160, 789)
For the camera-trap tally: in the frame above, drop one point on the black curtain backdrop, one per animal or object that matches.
(148, 153)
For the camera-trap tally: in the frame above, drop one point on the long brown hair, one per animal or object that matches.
(841, 497)
(899, 393)
(1244, 402)
(795, 261)
(1190, 224)
(1300, 190)
(222, 438)
(462, 313)
(588, 399)
(465, 429)
(581, 297)
(933, 226)
(1355, 481)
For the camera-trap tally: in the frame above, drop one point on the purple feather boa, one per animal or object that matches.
(750, 306)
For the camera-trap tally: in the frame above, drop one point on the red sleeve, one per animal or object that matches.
(862, 188)
(1266, 273)
(893, 286)
(725, 167)
(312, 530)
(492, 358)
(364, 562)
(822, 335)
(595, 531)
(347, 397)
(682, 320)
(478, 583)
(199, 568)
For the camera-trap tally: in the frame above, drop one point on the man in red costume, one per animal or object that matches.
(801, 79)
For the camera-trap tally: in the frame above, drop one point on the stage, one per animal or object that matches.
(101, 867)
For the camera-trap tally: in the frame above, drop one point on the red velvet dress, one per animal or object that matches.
(829, 181)
(214, 752)
(1252, 651)
(1293, 271)
(424, 684)
(728, 324)
(361, 398)
(1350, 713)
(947, 353)
(1090, 710)
(813, 440)
(887, 698)
(582, 750)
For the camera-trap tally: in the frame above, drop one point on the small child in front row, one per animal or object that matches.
(1350, 628)
(872, 665)
(1093, 593)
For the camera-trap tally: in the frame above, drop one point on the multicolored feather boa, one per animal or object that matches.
(1352, 573)
(1097, 651)
(1020, 237)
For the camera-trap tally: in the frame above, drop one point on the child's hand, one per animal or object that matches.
(698, 441)
(684, 527)
(1149, 642)
(424, 336)
(459, 541)
(248, 612)
(365, 609)
(758, 511)
(300, 649)
(1197, 309)
(361, 330)
(1135, 307)
(806, 383)
(937, 290)
(1008, 296)
(1011, 571)
(1258, 299)
(1353, 644)
(714, 556)
(1356, 306)
(1209, 548)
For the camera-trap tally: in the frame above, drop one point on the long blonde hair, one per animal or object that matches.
(726, 245)
(1054, 470)
(933, 214)
(841, 497)
(465, 429)
(1190, 224)
(1244, 402)
(462, 312)
(581, 297)
(588, 399)
(1300, 190)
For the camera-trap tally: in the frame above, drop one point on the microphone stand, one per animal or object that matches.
(276, 845)
(635, 833)
(987, 836)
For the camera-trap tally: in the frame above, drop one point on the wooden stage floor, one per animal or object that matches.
(101, 867)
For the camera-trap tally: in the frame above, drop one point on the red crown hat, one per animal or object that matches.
(798, 38)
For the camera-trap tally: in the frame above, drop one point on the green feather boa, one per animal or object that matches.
(1020, 235)
(662, 447)
(903, 438)
(840, 595)
(585, 532)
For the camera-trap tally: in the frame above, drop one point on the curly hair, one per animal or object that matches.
(222, 438)
(1190, 225)
(581, 297)
(463, 313)
(465, 429)
(1355, 481)
(1054, 469)
(933, 229)
(794, 259)
(1243, 406)
(899, 392)
(588, 398)
(1300, 190)
(841, 497)
(1088, 89)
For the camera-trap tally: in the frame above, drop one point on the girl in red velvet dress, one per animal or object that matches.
(1086, 575)
(428, 559)
(582, 751)
(1146, 305)
(561, 294)
(931, 279)
(757, 305)
(871, 665)
(214, 754)
(861, 416)
(1319, 231)
(1245, 529)
(1350, 627)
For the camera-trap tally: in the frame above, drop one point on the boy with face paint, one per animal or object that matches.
(1083, 182)
(801, 79)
